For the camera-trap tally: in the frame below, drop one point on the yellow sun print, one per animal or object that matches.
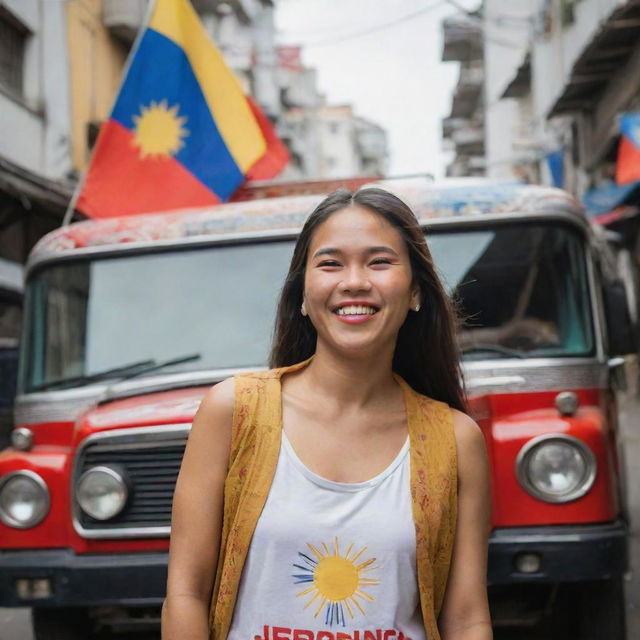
(338, 581)
(159, 131)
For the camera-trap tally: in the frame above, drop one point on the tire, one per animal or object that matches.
(61, 624)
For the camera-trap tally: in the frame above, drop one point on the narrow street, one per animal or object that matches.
(161, 161)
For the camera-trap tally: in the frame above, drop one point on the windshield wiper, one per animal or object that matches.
(114, 372)
(123, 373)
(155, 366)
(494, 348)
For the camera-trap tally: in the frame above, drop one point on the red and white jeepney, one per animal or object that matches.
(128, 321)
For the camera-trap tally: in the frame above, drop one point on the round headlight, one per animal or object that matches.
(556, 468)
(24, 499)
(102, 493)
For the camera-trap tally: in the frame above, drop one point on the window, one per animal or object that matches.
(567, 11)
(93, 129)
(76, 325)
(13, 38)
(522, 289)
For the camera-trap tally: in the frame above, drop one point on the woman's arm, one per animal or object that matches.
(465, 610)
(196, 522)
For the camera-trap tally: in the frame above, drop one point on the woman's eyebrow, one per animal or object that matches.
(332, 251)
(371, 250)
(327, 251)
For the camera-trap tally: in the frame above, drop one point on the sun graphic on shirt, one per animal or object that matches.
(338, 580)
(159, 131)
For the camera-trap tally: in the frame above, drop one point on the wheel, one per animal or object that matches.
(60, 624)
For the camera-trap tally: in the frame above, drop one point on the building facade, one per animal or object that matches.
(511, 146)
(36, 177)
(558, 74)
(558, 78)
(463, 130)
(325, 141)
(35, 122)
(596, 47)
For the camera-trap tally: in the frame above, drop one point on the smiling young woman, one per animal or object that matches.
(358, 286)
(343, 494)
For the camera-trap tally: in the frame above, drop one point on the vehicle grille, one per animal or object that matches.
(150, 458)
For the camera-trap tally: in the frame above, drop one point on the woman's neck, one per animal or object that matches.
(351, 381)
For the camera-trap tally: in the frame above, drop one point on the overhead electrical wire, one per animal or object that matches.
(476, 20)
(376, 28)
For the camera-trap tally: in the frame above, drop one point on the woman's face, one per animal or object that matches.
(358, 282)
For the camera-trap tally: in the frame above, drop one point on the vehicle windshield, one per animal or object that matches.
(522, 290)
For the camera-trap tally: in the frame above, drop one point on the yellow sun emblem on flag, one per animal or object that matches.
(338, 581)
(159, 131)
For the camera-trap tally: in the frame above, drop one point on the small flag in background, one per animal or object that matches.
(628, 165)
(555, 162)
(182, 133)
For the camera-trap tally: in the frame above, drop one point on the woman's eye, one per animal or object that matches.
(381, 261)
(329, 263)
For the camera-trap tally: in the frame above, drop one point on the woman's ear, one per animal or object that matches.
(416, 298)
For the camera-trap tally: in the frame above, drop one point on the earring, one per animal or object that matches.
(303, 309)
(417, 307)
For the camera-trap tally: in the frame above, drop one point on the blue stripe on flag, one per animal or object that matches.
(160, 70)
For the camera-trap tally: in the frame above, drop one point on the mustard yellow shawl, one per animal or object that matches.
(257, 427)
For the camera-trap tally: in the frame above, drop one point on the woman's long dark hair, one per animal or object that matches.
(426, 353)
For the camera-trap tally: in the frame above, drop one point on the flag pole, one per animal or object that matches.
(68, 214)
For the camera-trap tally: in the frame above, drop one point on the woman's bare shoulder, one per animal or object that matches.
(469, 437)
(219, 398)
(214, 417)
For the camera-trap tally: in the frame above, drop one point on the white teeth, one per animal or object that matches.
(355, 310)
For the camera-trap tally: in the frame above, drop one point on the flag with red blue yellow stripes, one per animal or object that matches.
(182, 132)
(628, 163)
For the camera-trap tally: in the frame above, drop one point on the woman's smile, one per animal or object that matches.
(355, 314)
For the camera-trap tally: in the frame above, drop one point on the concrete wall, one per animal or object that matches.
(507, 27)
(265, 75)
(96, 61)
(34, 128)
(554, 53)
(21, 134)
(301, 128)
(337, 142)
(55, 84)
(556, 48)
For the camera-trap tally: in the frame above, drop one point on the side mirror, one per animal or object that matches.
(620, 330)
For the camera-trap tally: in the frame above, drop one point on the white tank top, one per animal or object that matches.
(331, 560)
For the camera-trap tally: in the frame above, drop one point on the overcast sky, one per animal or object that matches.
(382, 57)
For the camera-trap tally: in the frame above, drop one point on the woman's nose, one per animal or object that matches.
(355, 279)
